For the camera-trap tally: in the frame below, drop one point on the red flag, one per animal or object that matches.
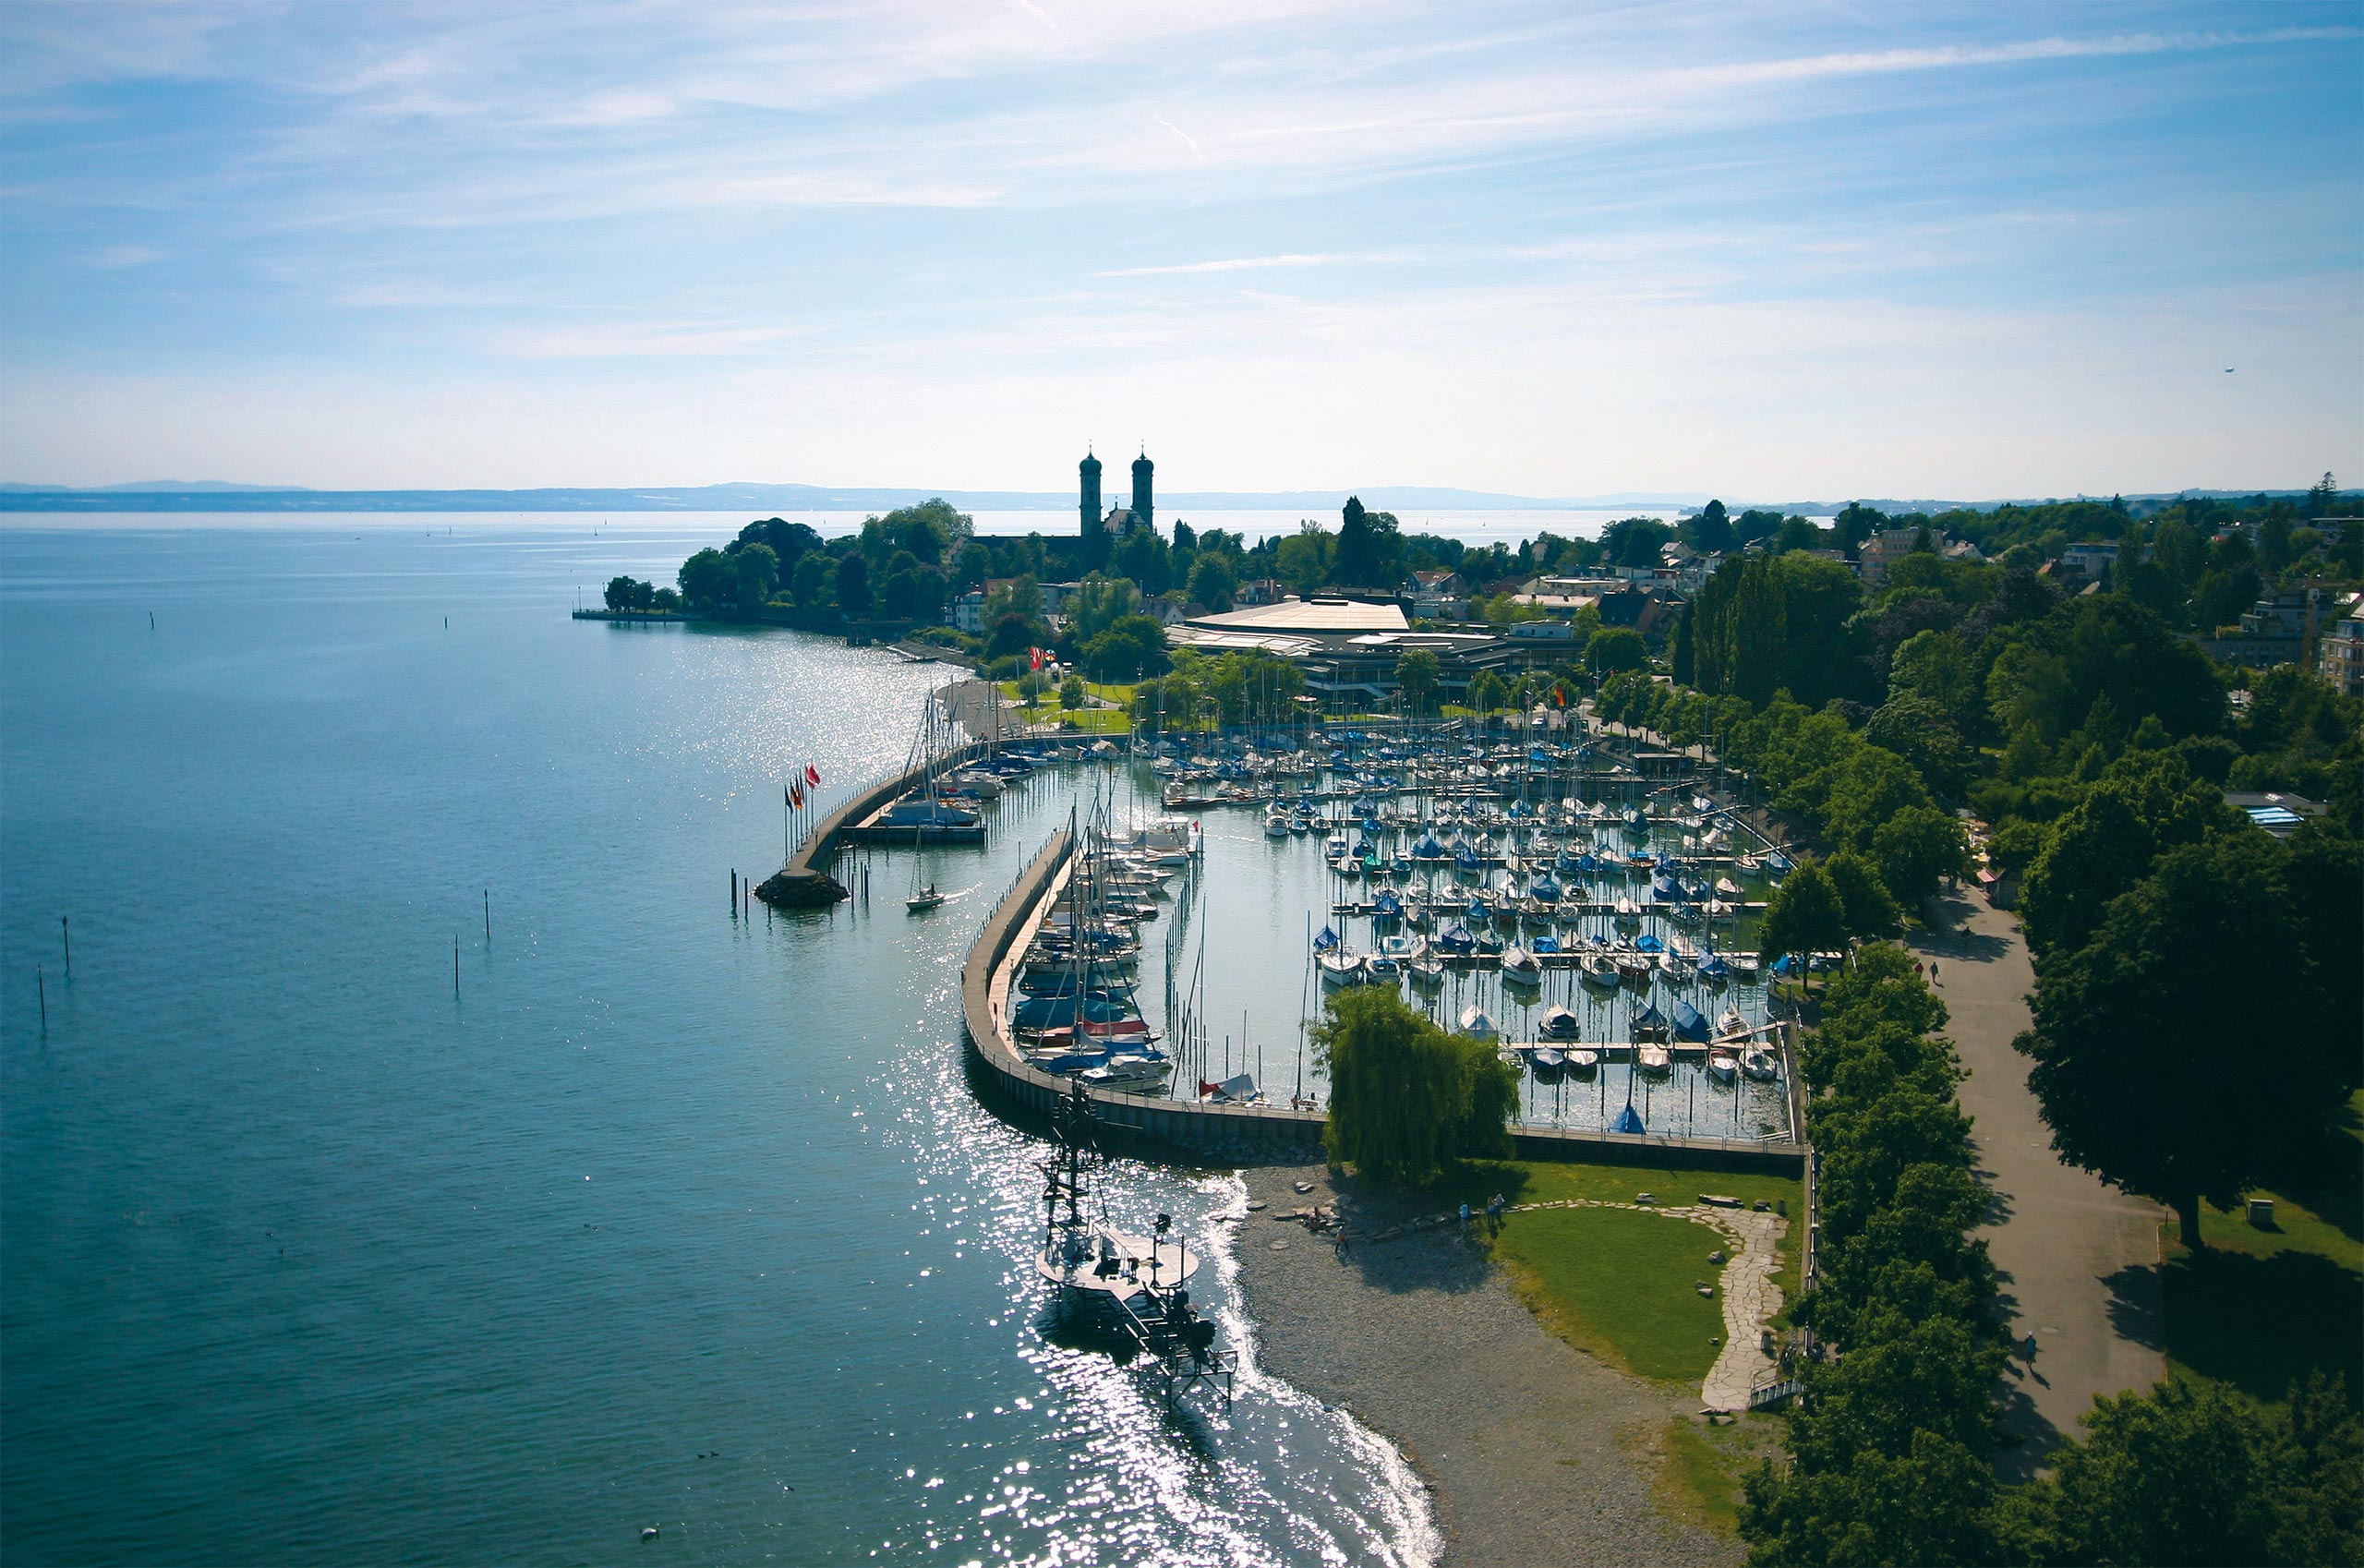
(812, 773)
(796, 796)
(1560, 693)
(1036, 655)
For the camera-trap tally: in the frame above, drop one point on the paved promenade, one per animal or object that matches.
(2079, 1260)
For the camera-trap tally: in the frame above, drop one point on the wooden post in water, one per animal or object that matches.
(734, 889)
(455, 964)
(67, 931)
(40, 988)
(487, 917)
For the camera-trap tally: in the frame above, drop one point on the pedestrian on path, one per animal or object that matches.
(1933, 971)
(1494, 1214)
(2031, 1348)
(1465, 1219)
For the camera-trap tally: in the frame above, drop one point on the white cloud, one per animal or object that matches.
(115, 257)
(1235, 264)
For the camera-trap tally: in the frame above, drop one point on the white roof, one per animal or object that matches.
(1307, 615)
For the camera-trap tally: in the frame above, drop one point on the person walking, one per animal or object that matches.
(1494, 1214)
(1465, 1219)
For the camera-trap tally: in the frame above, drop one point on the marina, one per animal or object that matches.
(1538, 940)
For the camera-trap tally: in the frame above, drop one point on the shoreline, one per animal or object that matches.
(1532, 1452)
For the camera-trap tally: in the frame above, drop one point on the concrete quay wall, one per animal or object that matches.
(805, 881)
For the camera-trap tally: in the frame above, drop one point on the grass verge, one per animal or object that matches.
(1617, 1283)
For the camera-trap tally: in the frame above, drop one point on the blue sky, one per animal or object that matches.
(1772, 251)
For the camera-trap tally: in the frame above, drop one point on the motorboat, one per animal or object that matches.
(1727, 889)
(1759, 1064)
(1688, 1024)
(1560, 1023)
(1747, 967)
(1600, 969)
(1628, 912)
(1475, 1024)
(1383, 968)
(1125, 1075)
(1730, 1024)
(1713, 970)
(1550, 1060)
(1583, 1063)
(1721, 1066)
(1520, 968)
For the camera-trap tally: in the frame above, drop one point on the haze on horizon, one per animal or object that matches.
(1812, 251)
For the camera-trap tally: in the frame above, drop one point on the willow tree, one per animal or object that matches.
(1405, 1096)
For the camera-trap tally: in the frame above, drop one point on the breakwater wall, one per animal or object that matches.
(804, 881)
(1247, 1134)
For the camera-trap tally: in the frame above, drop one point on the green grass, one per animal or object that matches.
(1545, 1181)
(2259, 1309)
(1699, 1467)
(1617, 1283)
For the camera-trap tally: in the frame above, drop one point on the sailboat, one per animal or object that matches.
(923, 898)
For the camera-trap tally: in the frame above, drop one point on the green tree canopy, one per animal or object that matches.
(1806, 914)
(1613, 648)
(1417, 672)
(853, 585)
(1213, 582)
(2197, 976)
(1405, 1096)
(709, 579)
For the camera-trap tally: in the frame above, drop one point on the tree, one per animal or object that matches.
(630, 593)
(1613, 648)
(1132, 646)
(1405, 1096)
(2143, 804)
(1303, 559)
(708, 579)
(1916, 849)
(2198, 976)
(1711, 531)
(1486, 693)
(814, 581)
(1870, 910)
(1098, 603)
(2188, 1474)
(758, 575)
(1417, 673)
(1805, 915)
(1072, 692)
(853, 584)
(1213, 582)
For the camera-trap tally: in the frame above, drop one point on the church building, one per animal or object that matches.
(1099, 530)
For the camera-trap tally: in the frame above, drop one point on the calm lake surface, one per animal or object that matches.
(665, 1217)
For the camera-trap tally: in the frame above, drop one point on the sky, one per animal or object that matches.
(1768, 251)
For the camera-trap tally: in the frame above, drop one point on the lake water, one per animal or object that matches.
(659, 1216)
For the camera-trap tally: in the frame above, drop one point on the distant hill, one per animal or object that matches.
(216, 495)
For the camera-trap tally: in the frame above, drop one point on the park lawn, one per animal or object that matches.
(1547, 1181)
(1617, 1283)
(2259, 1309)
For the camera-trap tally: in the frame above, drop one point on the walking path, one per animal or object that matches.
(2079, 1260)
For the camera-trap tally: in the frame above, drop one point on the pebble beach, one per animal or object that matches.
(1534, 1452)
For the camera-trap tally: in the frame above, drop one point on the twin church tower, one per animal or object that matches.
(1098, 527)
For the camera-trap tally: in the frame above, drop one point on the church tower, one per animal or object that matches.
(1142, 468)
(1090, 469)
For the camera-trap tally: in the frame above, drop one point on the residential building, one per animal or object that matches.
(1437, 596)
(2278, 812)
(969, 612)
(1883, 550)
(2273, 631)
(2089, 560)
(1261, 591)
(2339, 658)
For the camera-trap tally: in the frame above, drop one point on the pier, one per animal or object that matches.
(804, 881)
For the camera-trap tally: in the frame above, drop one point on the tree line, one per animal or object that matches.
(1892, 1444)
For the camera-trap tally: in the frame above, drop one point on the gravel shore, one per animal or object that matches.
(1536, 1454)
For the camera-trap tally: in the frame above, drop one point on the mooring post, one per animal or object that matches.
(455, 964)
(487, 917)
(65, 930)
(734, 889)
(42, 988)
